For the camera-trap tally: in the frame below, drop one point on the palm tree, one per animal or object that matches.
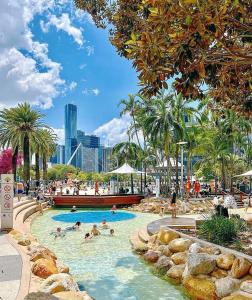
(19, 128)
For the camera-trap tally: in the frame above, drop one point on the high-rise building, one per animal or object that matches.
(105, 159)
(87, 159)
(89, 141)
(70, 132)
(60, 152)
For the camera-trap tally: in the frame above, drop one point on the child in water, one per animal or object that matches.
(104, 225)
(58, 233)
(88, 237)
(112, 232)
(95, 231)
(113, 209)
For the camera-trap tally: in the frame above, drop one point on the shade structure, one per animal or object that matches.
(249, 173)
(126, 169)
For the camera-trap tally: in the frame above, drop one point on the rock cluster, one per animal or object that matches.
(204, 271)
(56, 283)
(153, 205)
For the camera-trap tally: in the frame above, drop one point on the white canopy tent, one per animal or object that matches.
(126, 169)
(249, 173)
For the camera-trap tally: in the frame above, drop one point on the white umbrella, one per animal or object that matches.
(126, 169)
(249, 173)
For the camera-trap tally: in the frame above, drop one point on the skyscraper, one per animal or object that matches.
(70, 132)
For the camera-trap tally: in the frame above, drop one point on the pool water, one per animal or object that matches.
(105, 266)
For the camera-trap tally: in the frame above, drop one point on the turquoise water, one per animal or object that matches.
(105, 266)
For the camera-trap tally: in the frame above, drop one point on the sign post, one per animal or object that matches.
(7, 195)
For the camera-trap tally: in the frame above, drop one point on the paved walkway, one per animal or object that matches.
(10, 269)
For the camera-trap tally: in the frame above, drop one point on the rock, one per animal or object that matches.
(240, 267)
(164, 249)
(163, 264)
(238, 296)
(179, 258)
(180, 245)
(225, 261)
(73, 296)
(153, 239)
(44, 268)
(40, 296)
(210, 250)
(36, 249)
(165, 236)
(43, 253)
(151, 256)
(219, 273)
(59, 283)
(250, 271)
(200, 288)
(226, 286)
(138, 245)
(200, 264)
(62, 268)
(22, 239)
(176, 272)
(246, 286)
(14, 232)
(195, 248)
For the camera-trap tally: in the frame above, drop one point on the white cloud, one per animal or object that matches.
(64, 23)
(60, 132)
(72, 85)
(95, 92)
(20, 74)
(90, 50)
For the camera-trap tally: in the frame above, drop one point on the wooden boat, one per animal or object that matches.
(96, 201)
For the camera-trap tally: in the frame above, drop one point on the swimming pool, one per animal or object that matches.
(104, 266)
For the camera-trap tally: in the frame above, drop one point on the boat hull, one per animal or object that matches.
(96, 201)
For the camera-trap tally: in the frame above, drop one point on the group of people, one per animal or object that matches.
(89, 235)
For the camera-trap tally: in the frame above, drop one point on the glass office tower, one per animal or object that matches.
(70, 132)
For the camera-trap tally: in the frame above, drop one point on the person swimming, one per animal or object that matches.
(104, 225)
(59, 233)
(88, 237)
(77, 225)
(95, 231)
(73, 209)
(112, 232)
(113, 209)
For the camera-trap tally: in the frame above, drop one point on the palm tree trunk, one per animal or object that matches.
(177, 175)
(37, 176)
(26, 153)
(14, 163)
(168, 174)
(131, 180)
(223, 179)
(44, 167)
(189, 165)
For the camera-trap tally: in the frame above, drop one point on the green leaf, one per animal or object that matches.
(133, 36)
(188, 20)
(165, 85)
(236, 2)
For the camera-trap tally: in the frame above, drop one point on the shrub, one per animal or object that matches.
(221, 230)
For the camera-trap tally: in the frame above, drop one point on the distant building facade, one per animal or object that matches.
(70, 132)
(87, 159)
(105, 159)
(89, 141)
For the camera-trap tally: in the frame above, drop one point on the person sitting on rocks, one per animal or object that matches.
(95, 231)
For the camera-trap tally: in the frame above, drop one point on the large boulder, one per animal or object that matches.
(179, 258)
(36, 250)
(200, 288)
(195, 248)
(176, 272)
(240, 267)
(22, 239)
(164, 249)
(73, 296)
(180, 245)
(40, 296)
(246, 286)
(44, 268)
(226, 286)
(62, 268)
(219, 273)
(238, 296)
(151, 256)
(200, 264)
(225, 261)
(59, 283)
(165, 236)
(163, 264)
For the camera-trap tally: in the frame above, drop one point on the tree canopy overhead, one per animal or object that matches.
(198, 43)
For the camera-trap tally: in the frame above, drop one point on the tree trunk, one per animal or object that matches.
(26, 153)
(131, 180)
(37, 175)
(14, 163)
(223, 179)
(44, 168)
(177, 169)
(168, 174)
(188, 166)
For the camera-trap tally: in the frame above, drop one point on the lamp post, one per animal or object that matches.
(182, 169)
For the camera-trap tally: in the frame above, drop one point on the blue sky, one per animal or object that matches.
(51, 54)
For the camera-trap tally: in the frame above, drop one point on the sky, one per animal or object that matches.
(52, 54)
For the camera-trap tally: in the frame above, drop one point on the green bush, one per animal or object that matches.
(220, 230)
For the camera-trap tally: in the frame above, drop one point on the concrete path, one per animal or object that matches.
(10, 269)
